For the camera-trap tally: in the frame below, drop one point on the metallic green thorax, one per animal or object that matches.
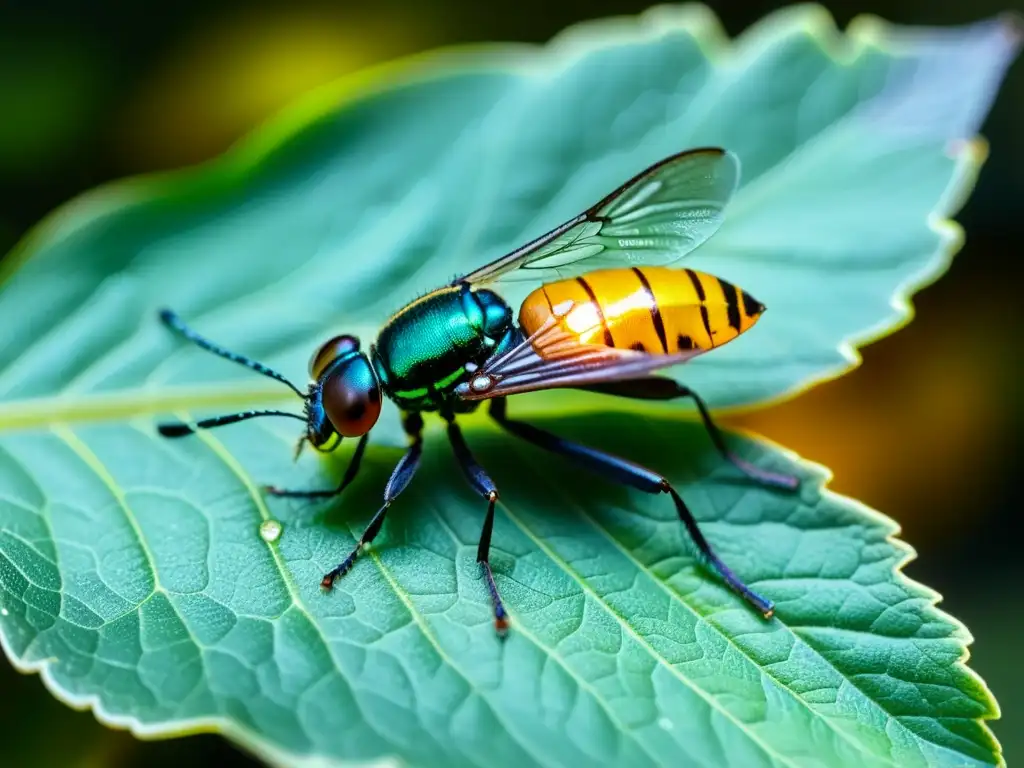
(422, 352)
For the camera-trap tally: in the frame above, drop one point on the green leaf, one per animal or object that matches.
(132, 573)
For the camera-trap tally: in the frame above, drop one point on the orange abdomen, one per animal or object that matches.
(657, 310)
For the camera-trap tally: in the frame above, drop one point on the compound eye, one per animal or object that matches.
(351, 397)
(337, 347)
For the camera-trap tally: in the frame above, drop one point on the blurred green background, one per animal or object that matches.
(928, 430)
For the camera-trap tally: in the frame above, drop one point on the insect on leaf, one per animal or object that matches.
(133, 572)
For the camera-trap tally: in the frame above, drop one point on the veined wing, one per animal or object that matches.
(655, 218)
(554, 357)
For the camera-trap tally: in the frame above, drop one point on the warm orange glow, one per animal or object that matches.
(909, 434)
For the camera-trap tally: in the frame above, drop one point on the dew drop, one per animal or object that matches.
(270, 530)
(4, 612)
(665, 724)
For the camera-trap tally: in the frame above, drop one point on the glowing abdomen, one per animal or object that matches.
(657, 310)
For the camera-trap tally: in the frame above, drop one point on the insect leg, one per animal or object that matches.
(176, 324)
(483, 484)
(399, 479)
(635, 476)
(350, 474)
(664, 388)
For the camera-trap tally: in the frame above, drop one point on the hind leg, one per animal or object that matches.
(641, 478)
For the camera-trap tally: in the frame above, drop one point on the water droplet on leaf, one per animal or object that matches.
(270, 530)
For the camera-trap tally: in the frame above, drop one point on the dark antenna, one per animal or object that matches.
(180, 429)
(175, 323)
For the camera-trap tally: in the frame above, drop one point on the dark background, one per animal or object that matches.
(928, 430)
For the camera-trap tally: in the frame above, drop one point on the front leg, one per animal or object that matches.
(350, 474)
(403, 473)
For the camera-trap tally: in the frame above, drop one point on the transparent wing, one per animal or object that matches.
(554, 357)
(655, 218)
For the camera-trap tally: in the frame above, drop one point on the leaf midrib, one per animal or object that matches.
(124, 404)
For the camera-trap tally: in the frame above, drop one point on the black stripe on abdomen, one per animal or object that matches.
(751, 306)
(699, 288)
(659, 325)
(697, 285)
(608, 340)
(732, 304)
